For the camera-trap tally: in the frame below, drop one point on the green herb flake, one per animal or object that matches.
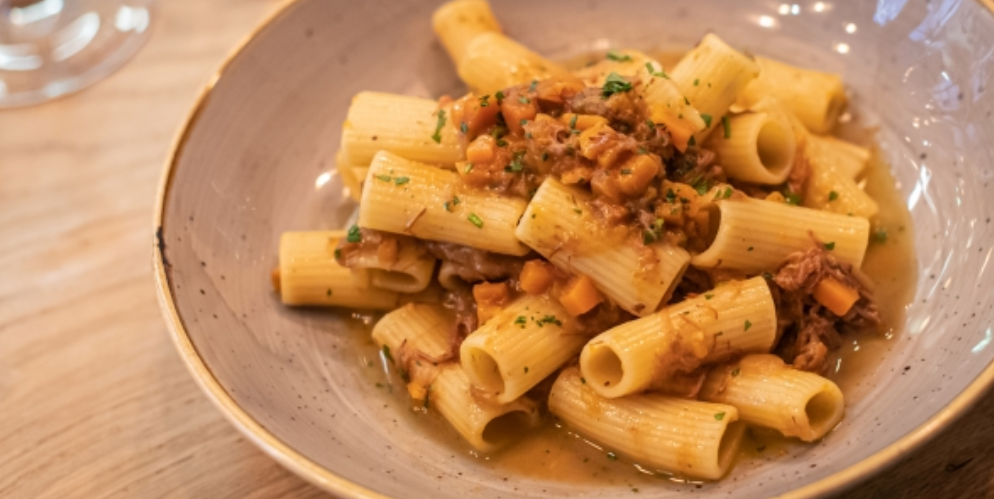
(697, 82)
(521, 320)
(572, 122)
(652, 72)
(615, 56)
(830, 246)
(728, 193)
(719, 416)
(880, 236)
(686, 100)
(549, 319)
(524, 100)
(727, 126)
(747, 325)
(475, 220)
(384, 178)
(485, 101)
(792, 199)
(767, 275)
(626, 171)
(615, 84)
(464, 128)
(650, 124)
(437, 137)
(533, 86)
(355, 235)
(641, 150)
(386, 353)
(670, 196)
(501, 143)
(692, 141)
(523, 122)
(612, 456)
(401, 180)
(500, 97)
(338, 254)
(707, 119)
(708, 296)
(832, 195)
(736, 372)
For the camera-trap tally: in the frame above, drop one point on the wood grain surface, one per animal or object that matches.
(94, 400)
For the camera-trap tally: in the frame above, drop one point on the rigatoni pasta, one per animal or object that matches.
(617, 243)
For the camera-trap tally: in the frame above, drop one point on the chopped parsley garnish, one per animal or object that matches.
(832, 195)
(549, 319)
(697, 82)
(615, 84)
(686, 100)
(727, 194)
(641, 150)
(702, 186)
(880, 236)
(572, 122)
(727, 125)
(626, 171)
(736, 372)
(707, 119)
(521, 320)
(612, 456)
(526, 369)
(386, 353)
(523, 122)
(767, 275)
(476, 220)
(524, 100)
(500, 97)
(692, 141)
(747, 325)
(485, 100)
(830, 246)
(531, 88)
(451, 204)
(501, 143)
(792, 199)
(670, 196)
(437, 137)
(652, 72)
(719, 416)
(338, 254)
(615, 56)
(401, 180)
(355, 235)
(650, 124)
(385, 178)
(708, 296)
(464, 128)
(515, 166)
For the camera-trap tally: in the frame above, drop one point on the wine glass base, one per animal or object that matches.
(50, 48)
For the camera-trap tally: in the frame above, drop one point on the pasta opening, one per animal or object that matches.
(729, 446)
(400, 282)
(505, 428)
(714, 222)
(602, 367)
(774, 146)
(484, 370)
(824, 411)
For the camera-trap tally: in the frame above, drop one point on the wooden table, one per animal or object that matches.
(94, 401)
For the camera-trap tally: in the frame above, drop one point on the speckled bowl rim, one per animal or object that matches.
(321, 477)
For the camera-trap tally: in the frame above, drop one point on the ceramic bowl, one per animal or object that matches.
(255, 159)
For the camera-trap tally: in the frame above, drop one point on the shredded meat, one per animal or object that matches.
(809, 331)
(621, 110)
(476, 265)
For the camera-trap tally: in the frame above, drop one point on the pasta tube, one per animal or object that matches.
(847, 159)
(737, 316)
(486, 424)
(494, 62)
(309, 275)
(410, 271)
(688, 437)
(770, 394)
(405, 126)
(520, 346)
(815, 97)
(753, 235)
(560, 226)
(458, 22)
(759, 147)
(405, 197)
(711, 76)
(830, 190)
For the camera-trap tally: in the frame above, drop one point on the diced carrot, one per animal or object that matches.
(583, 121)
(490, 299)
(680, 128)
(516, 109)
(636, 173)
(478, 118)
(275, 277)
(835, 296)
(481, 150)
(536, 276)
(605, 185)
(580, 296)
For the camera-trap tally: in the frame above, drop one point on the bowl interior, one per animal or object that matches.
(257, 160)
